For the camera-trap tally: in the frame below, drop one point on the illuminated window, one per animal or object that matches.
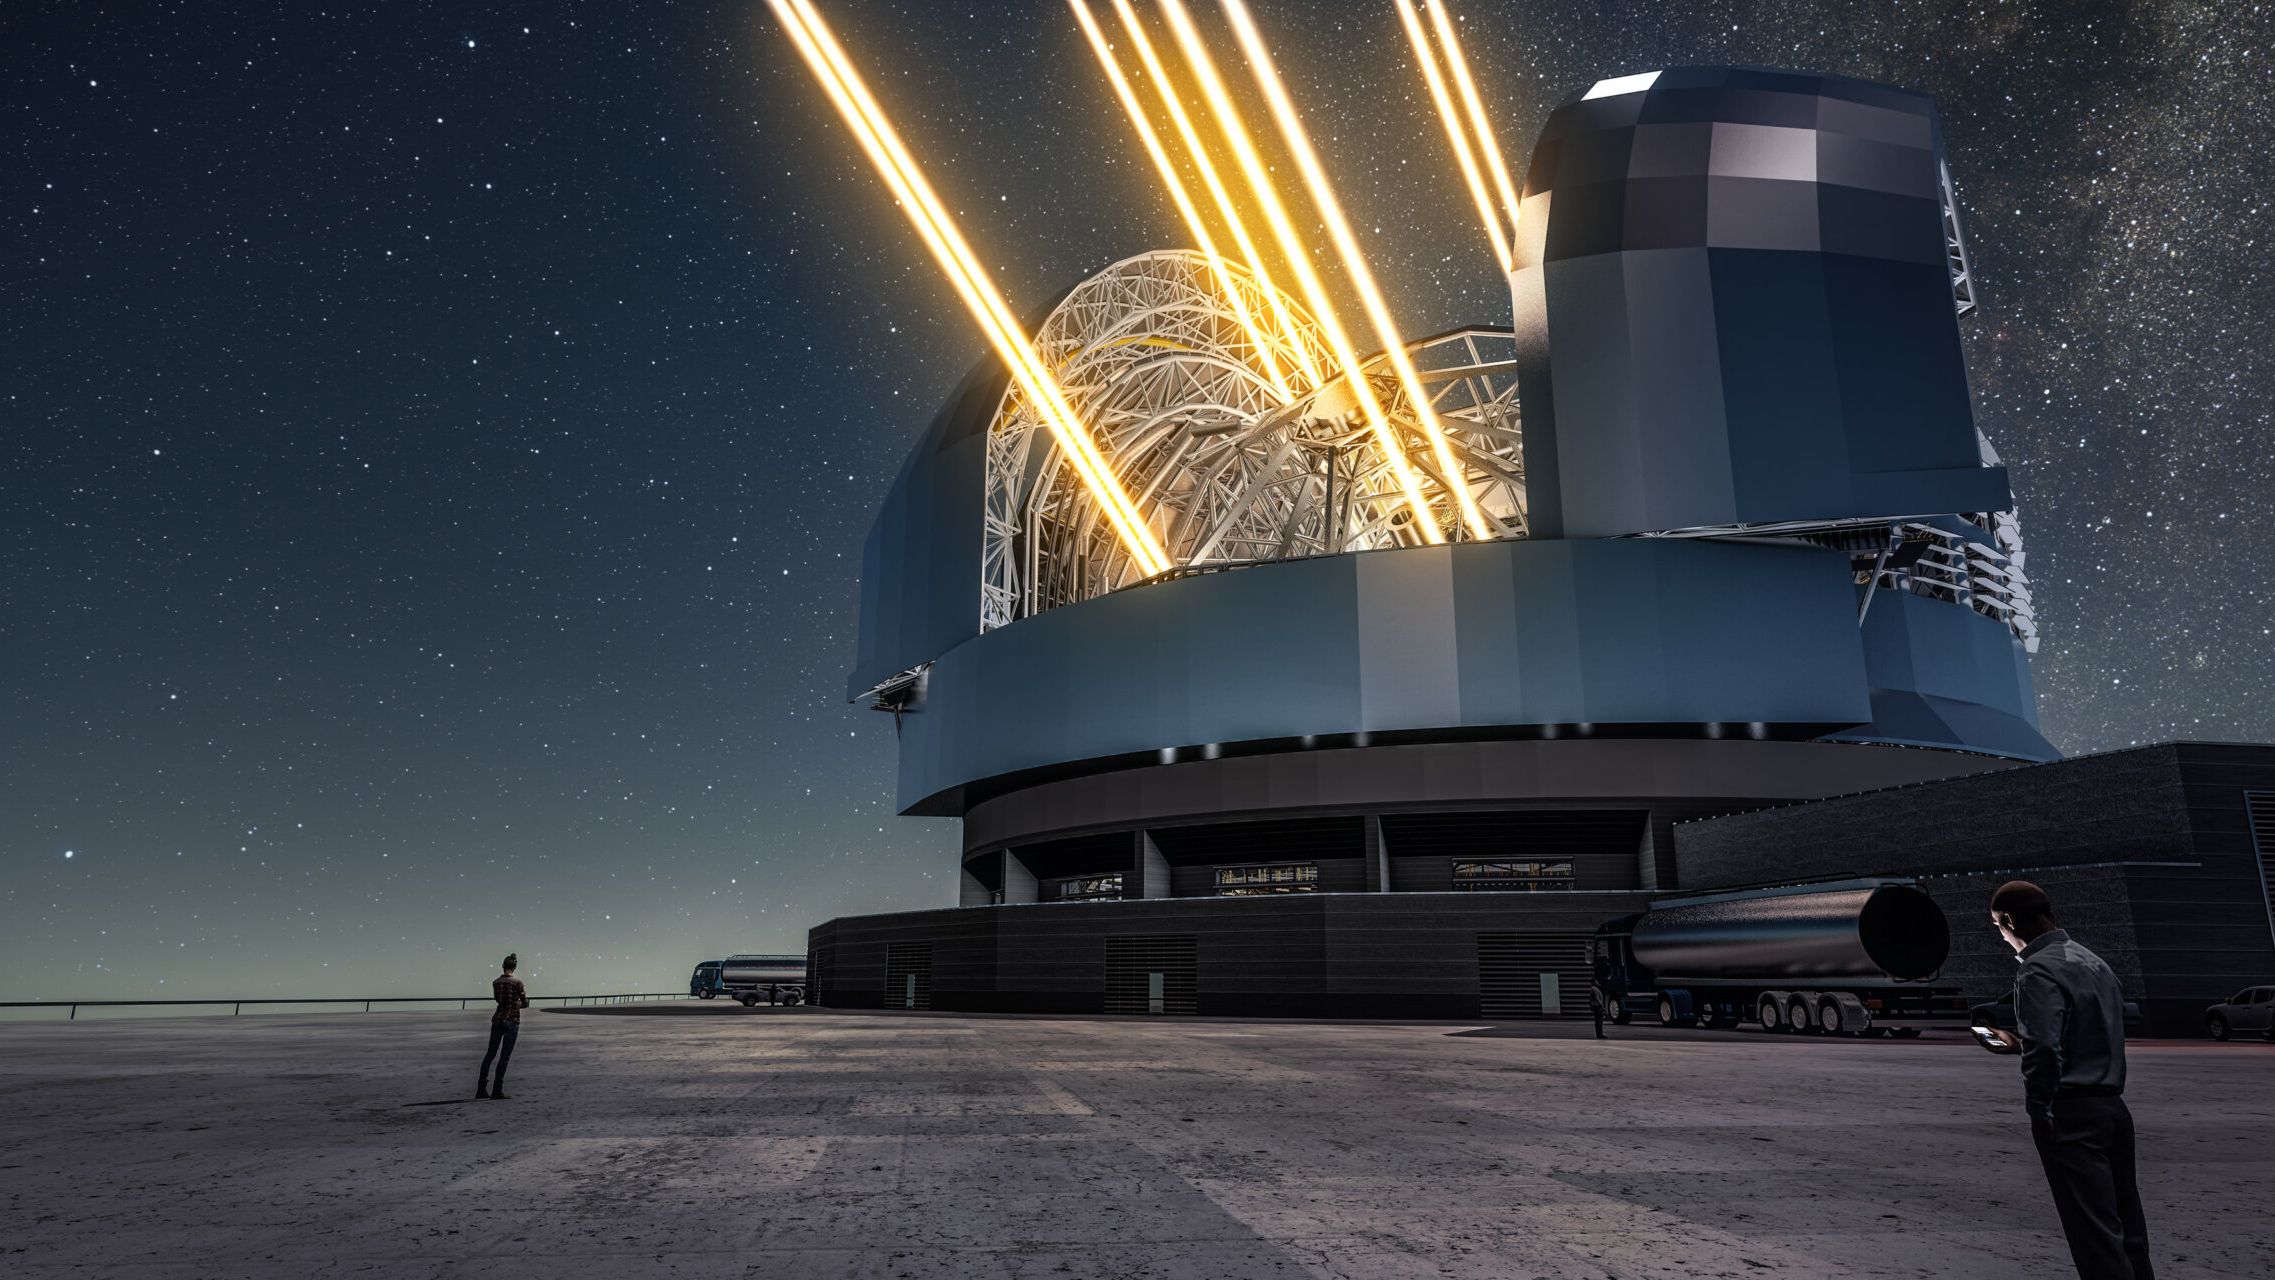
(1267, 877)
(1090, 887)
(1618, 85)
(1514, 877)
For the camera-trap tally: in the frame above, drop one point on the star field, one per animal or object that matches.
(435, 447)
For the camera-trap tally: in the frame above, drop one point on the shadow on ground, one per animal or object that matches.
(680, 1009)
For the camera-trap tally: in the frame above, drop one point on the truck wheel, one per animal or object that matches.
(708, 994)
(793, 997)
(749, 999)
(1798, 1014)
(1768, 1015)
(1905, 1033)
(2216, 1027)
(1667, 1016)
(1830, 1018)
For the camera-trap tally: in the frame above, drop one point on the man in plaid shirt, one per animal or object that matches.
(505, 1028)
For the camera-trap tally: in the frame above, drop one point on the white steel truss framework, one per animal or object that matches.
(1152, 355)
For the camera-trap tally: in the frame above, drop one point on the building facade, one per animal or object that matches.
(1749, 549)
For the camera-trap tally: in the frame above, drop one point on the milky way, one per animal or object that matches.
(434, 453)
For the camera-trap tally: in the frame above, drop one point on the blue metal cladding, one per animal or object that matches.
(1734, 305)
(1943, 675)
(920, 566)
(1467, 637)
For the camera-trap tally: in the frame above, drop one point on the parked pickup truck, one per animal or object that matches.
(2251, 1009)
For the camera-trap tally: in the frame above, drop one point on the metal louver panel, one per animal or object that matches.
(2261, 806)
(1153, 973)
(908, 975)
(1532, 975)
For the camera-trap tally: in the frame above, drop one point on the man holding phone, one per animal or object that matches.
(2070, 1020)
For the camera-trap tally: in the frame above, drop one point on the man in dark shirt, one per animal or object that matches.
(1607, 992)
(2070, 1015)
(505, 1028)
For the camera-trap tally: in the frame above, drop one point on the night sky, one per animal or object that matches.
(436, 441)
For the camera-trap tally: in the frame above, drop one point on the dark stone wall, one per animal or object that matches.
(2147, 853)
(1297, 955)
(2124, 805)
(2205, 931)
(2096, 908)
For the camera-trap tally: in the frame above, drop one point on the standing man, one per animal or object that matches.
(1607, 993)
(2070, 1016)
(505, 1027)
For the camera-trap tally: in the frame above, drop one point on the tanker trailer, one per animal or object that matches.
(1855, 958)
(775, 979)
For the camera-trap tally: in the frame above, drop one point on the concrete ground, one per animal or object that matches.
(810, 1143)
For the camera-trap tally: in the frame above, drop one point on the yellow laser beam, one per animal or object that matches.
(1450, 117)
(1480, 121)
(1298, 142)
(1227, 208)
(861, 112)
(1227, 114)
(1182, 198)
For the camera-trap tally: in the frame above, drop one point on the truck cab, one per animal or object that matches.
(705, 984)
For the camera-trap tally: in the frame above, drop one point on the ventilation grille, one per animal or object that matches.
(908, 975)
(1152, 973)
(2261, 806)
(1532, 975)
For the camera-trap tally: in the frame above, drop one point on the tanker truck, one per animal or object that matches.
(776, 979)
(1855, 958)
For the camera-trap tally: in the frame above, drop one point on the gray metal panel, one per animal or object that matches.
(1593, 374)
(1690, 468)
(1408, 642)
(1756, 213)
(920, 565)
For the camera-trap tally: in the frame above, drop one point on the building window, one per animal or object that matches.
(1090, 888)
(1514, 877)
(1268, 877)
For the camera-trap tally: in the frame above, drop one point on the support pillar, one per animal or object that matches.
(1655, 855)
(1018, 882)
(971, 892)
(1153, 869)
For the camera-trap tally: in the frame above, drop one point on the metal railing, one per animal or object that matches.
(238, 1006)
